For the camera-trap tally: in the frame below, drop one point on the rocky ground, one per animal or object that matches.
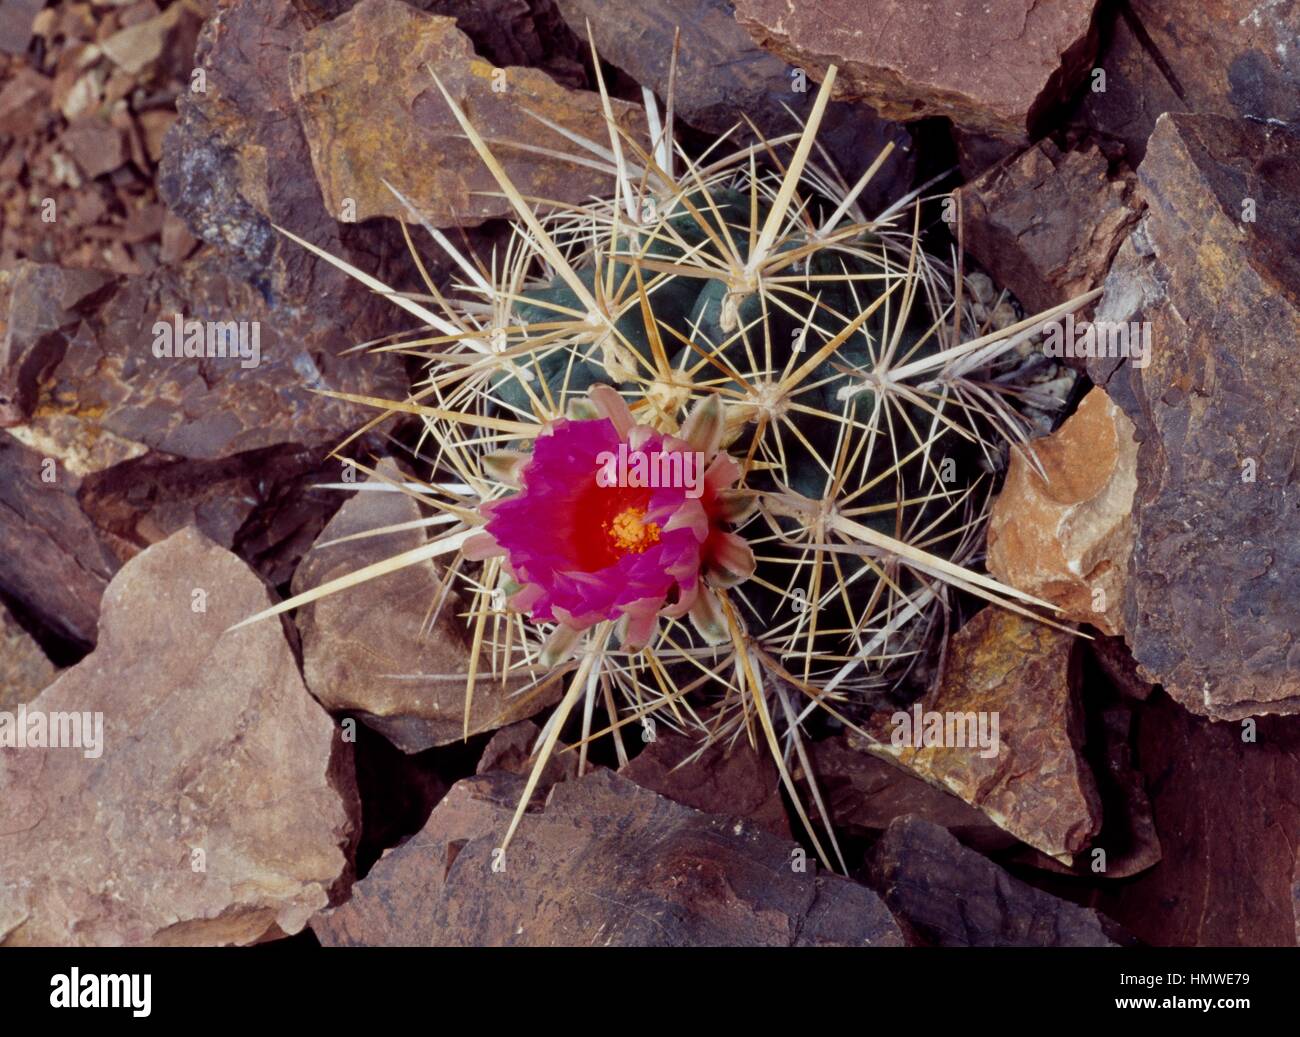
(1148, 786)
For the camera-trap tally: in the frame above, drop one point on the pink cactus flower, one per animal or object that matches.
(583, 550)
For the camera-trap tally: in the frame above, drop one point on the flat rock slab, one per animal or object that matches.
(367, 650)
(950, 896)
(364, 129)
(1033, 781)
(219, 807)
(1213, 604)
(1068, 538)
(1047, 224)
(605, 863)
(994, 68)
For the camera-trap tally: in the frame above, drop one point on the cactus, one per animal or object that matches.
(829, 371)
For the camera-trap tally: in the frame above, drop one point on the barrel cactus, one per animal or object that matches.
(822, 403)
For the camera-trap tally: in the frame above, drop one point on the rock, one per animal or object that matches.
(740, 780)
(864, 793)
(606, 862)
(1226, 799)
(41, 308)
(215, 174)
(24, 102)
(101, 372)
(1032, 779)
(1235, 58)
(56, 562)
(95, 146)
(511, 750)
(369, 651)
(950, 896)
(519, 32)
(364, 130)
(724, 77)
(24, 668)
(992, 69)
(1211, 608)
(218, 808)
(16, 17)
(139, 46)
(1068, 539)
(1047, 224)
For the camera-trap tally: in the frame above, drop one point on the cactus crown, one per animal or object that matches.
(745, 307)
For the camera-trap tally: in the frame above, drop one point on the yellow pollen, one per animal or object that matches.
(631, 533)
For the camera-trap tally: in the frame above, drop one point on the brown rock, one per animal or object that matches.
(519, 32)
(24, 102)
(1068, 539)
(1023, 675)
(950, 896)
(24, 668)
(16, 18)
(95, 146)
(1047, 224)
(106, 376)
(368, 650)
(606, 863)
(398, 127)
(218, 807)
(739, 780)
(218, 174)
(724, 77)
(865, 792)
(1233, 57)
(1211, 610)
(1226, 798)
(511, 750)
(55, 562)
(994, 69)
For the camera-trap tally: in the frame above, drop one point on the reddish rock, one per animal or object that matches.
(1032, 780)
(511, 750)
(739, 780)
(364, 129)
(1232, 57)
(1047, 224)
(24, 668)
(1211, 610)
(95, 146)
(97, 360)
(1226, 799)
(864, 793)
(56, 562)
(16, 17)
(724, 78)
(369, 651)
(949, 896)
(605, 863)
(991, 68)
(1068, 538)
(219, 806)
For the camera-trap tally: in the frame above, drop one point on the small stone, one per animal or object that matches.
(1032, 780)
(605, 863)
(366, 129)
(950, 896)
(994, 69)
(1068, 538)
(1047, 224)
(368, 650)
(215, 803)
(16, 24)
(95, 146)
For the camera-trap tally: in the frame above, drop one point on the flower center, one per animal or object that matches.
(630, 532)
